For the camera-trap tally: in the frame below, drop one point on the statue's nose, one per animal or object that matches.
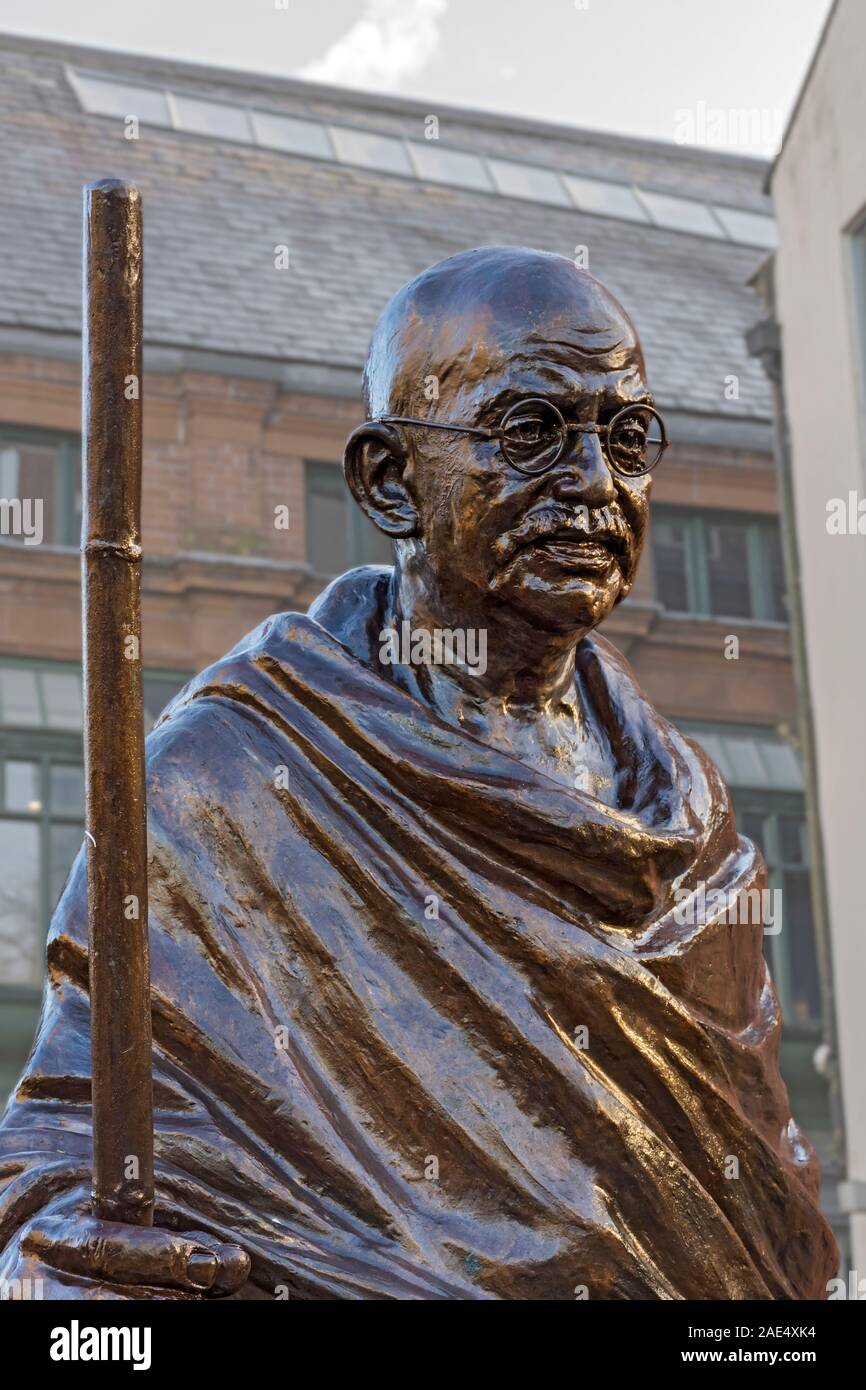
(582, 474)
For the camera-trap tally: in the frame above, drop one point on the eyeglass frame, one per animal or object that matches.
(565, 426)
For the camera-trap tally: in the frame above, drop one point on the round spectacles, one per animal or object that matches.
(533, 435)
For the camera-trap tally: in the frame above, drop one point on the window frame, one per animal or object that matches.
(771, 806)
(771, 803)
(67, 472)
(47, 746)
(855, 235)
(357, 525)
(757, 525)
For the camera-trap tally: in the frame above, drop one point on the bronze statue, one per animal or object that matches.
(429, 1020)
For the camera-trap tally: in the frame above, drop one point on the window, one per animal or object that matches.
(671, 555)
(211, 118)
(605, 199)
(756, 758)
(42, 801)
(727, 566)
(681, 214)
(440, 165)
(858, 278)
(42, 470)
(778, 827)
(339, 535)
(49, 695)
(777, 824)
(722, 565)
(527, 181)
(293, 136)
(41, 829)
(370, 150)
(750, 228)
(764, 775)
(104, 97)
(46, 697)
(426, 160)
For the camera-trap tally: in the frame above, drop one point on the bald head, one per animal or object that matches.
(478, 311)
(477, 339)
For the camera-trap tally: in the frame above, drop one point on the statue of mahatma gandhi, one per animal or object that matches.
(426, 1021)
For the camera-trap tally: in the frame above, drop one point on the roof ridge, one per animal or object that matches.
(69, 51)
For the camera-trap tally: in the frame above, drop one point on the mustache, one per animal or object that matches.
(605, 525)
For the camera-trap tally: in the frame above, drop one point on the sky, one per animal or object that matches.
(722, 73)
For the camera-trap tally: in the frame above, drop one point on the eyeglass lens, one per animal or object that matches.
(635, 441)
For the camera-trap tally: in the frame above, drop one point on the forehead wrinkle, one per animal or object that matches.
(608, 356)
(621, 365)
(564, 390)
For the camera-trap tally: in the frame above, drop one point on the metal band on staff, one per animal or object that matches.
(113, 706)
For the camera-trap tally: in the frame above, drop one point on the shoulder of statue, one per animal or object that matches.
(352, 608)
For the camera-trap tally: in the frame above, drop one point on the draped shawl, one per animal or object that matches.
(426, 1023)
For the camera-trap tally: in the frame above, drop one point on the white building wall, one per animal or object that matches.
(819, 187)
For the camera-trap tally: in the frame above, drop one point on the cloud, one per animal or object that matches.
(392, 41)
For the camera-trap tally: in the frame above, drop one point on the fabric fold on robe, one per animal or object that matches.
(426, 1024)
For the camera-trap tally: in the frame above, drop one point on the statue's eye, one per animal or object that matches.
(532, 435)
(629, 441)
(631, 438)
(528, 429)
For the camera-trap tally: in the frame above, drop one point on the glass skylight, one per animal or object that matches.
(604, 199)
(102, 97)
(212, 118)
(441, 165)
(527, 181)
(753, 228)
(680, 214)
(292, 136)
(425, 160)
(371, 151)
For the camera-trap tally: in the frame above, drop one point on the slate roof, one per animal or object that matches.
(215, 211)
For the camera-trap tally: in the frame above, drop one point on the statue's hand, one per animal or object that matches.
(113, 1253)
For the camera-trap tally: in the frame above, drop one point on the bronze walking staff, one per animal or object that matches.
(113, 705)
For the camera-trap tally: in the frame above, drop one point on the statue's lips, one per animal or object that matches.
(574, 551)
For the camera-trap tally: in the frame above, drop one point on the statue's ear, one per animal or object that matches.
(374, 463)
